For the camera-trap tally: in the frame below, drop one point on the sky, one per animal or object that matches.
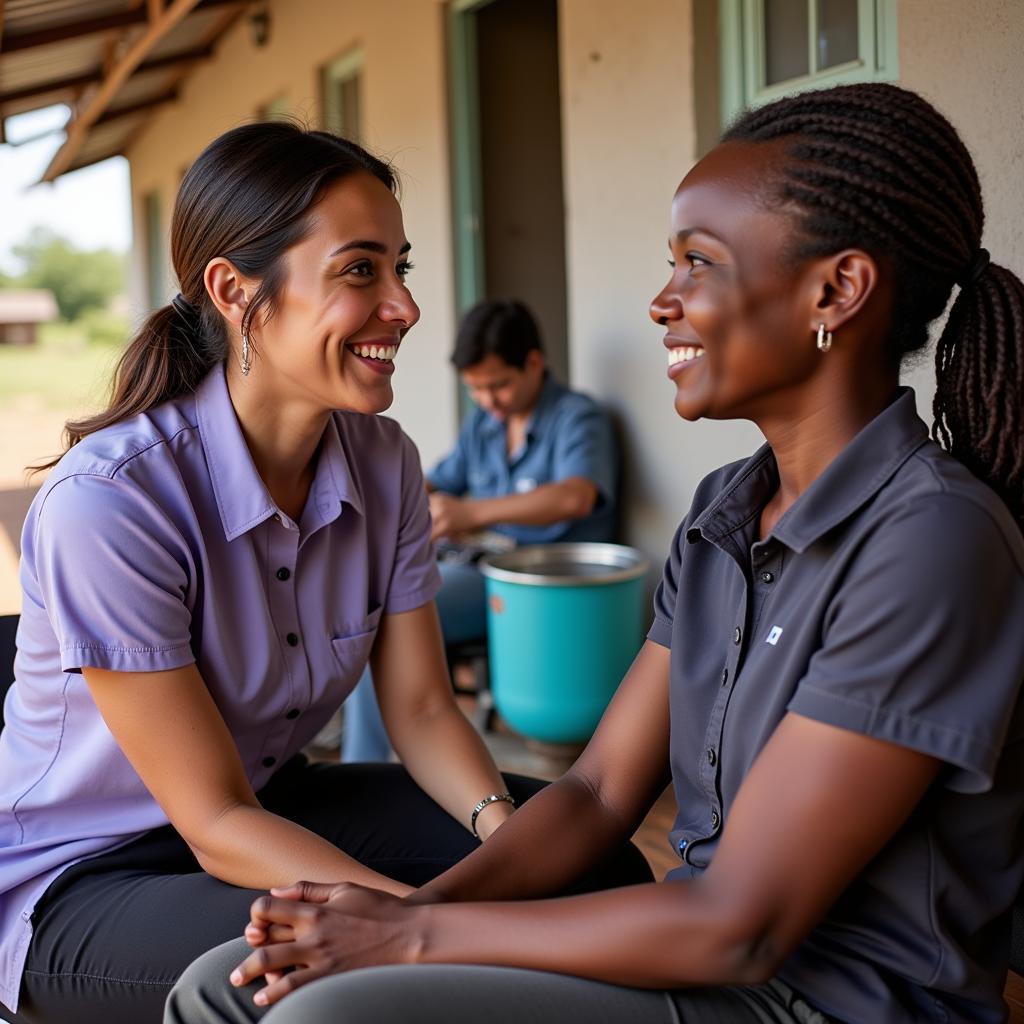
(90, 207)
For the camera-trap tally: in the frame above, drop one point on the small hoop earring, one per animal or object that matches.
(246, 356)
(824, 339)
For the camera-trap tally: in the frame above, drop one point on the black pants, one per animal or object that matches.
(112, 934)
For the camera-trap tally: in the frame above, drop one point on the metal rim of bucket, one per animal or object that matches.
(624, 563)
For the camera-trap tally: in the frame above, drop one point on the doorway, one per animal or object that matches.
(507, 161)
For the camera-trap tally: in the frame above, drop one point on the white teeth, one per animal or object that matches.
(684, 354)
(382, 352)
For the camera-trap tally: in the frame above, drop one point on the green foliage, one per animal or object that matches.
(104, 328)
(79, 280)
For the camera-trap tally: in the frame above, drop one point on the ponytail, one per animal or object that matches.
(979, 397)
(876, 167)
(168, 357)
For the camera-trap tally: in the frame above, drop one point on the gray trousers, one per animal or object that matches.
(457, 994)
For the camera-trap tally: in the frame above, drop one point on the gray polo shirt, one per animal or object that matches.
(888, 600)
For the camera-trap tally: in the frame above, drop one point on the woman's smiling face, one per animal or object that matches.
(344, 307)
(738, 314)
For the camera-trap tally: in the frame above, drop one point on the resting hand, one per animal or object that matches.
(341, 927)
(450, 516)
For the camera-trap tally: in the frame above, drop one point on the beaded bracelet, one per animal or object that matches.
(492, 799)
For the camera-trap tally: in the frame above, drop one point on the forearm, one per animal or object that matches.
(249, 847)
(550, 843)
(449, 762)
(544, 505)
(651, 936)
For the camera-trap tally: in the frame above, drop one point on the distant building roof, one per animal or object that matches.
(27, 306)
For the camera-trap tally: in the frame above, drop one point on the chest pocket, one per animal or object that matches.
(483, 482)
(353, 650)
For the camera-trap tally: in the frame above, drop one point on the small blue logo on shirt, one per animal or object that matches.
(773, 635)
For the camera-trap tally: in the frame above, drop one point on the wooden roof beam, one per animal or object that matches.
(94, 106)
(93, 26)
(96, 75)
(136, 108)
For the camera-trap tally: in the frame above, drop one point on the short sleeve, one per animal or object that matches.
(922, 645)
(668, 589)
(585, 446)
(112, 571)
(451, 474)
(415, 579)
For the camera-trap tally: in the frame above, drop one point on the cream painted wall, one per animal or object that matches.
(966, 58)
(629, 137)
(405, 118)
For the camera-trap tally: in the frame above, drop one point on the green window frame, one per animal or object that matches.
(744, 63)
(277, 109)
(341, 89)
(155, 249)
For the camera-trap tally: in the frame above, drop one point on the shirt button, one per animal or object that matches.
(269, 762)
(294, 713)
(737, 635)
(714, 816)
(712, 756)
(725, 676)
(293, 640)
(284, 573)
(767, 577)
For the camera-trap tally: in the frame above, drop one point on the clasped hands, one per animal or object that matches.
(310, 930)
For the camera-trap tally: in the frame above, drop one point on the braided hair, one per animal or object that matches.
(876, 167)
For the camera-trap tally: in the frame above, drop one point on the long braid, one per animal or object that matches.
(876, 167)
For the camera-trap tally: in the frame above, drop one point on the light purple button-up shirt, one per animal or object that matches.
(154, 543)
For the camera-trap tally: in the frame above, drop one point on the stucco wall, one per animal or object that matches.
(629, 135)
(968, 59)
(404, 118)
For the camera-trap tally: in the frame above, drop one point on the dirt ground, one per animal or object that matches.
(29, 431)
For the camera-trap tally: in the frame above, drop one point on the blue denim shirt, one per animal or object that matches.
(568, 435)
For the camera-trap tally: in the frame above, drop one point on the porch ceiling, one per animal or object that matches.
(112, 61)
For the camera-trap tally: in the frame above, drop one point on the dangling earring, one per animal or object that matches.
(824, 339)
(246, 359)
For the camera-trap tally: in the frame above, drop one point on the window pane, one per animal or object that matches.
(351, 125)
(837, 32)
(785, 40)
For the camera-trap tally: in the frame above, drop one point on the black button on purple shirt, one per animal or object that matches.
(284, 573)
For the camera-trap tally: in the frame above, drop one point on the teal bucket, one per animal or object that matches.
(565, 622)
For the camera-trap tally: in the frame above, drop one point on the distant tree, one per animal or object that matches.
(79, 280)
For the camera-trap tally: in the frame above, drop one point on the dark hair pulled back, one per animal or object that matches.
(246, 198)
(876, 167)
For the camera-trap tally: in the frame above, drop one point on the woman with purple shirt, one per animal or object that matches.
(205, 573)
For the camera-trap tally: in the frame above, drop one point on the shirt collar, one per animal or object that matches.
(850, 480)
(242, 498)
